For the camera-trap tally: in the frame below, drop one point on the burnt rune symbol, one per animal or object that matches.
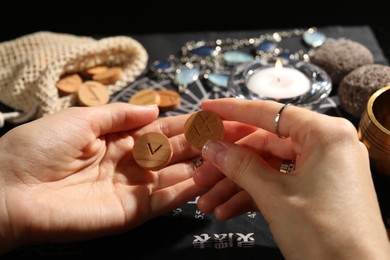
(202, 128)
(153, 151)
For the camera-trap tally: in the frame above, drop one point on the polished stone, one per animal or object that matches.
(218, 79)
(162, 66)
(314, 39)
(285, 57)
(236, 57)
(185, 76)
(266, 46)
(203, 51)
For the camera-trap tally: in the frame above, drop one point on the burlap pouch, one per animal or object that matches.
(31, 65)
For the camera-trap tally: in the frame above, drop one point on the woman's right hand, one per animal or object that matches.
(326, 208)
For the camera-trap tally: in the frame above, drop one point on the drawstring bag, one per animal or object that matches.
(31, 65)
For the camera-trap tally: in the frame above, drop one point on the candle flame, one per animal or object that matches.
(278, 64)
(278, 68)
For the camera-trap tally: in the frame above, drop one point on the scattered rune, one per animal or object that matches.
(169, 99)
(69, 84)
(108, 76)
(152, 151)
(146, 96)
(203, 126)
(93, 93)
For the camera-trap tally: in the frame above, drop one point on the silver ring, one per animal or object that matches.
(287, 166)
(277, 119)
(197, 162)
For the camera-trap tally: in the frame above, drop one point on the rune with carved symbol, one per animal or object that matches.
(203, 126)
(152, 151)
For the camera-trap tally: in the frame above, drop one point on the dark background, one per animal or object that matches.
(105, 18)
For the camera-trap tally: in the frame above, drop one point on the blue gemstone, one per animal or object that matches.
(220, 80)
(314, 39)
(185, 76)
(236, 57)
(285, 56)
(162, 65)
(203, 51)
(266, 46)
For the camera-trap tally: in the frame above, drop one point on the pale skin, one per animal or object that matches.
(326, 209)
(71, 176)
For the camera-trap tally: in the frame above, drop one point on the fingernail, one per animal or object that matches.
(150, 106)
(146, 107)
(215, 152)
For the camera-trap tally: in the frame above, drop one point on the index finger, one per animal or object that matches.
(265, 114)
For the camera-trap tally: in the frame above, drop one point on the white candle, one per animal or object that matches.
(278, 82)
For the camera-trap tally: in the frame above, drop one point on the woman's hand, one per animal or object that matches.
(72, 176)
(326, 207)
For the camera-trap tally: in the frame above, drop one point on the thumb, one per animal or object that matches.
(239, 164)
(120, 116)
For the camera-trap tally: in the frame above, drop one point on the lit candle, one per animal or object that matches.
(278, 82)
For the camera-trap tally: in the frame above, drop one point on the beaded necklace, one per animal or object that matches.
(214, 60)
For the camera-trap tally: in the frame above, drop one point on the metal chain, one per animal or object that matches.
(213, 62)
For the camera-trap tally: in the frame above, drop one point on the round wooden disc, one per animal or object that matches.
(93, 93)
(69, 84)
(109, 76)
(169, 99)
(96, 70)
(203, 126)
(152, 151)
(145, 96)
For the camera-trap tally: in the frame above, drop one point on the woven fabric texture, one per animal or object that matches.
(31, 65)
